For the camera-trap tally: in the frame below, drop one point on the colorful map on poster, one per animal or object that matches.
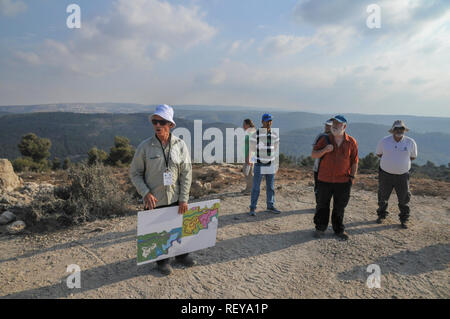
(197, 219)
(163, 233)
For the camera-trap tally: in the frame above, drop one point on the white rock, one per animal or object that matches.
(16, 227)
(8, 179)
(7, 217)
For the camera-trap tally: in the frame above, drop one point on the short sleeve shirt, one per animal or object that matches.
(396, 156)
(335, 167)
(317, 160)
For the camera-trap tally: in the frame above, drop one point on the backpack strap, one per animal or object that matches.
(327, 138)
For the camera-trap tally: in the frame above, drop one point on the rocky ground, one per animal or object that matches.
(267, 256)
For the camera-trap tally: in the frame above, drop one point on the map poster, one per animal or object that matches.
(163, 233)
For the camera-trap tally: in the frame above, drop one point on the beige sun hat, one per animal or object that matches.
(398, 123)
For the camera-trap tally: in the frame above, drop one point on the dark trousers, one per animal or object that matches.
(341, 195)
(386, 183)
(165, 261)
(316, 180)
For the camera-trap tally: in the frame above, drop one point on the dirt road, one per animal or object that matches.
(267, 256)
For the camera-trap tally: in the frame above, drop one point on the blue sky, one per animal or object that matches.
(304, 55)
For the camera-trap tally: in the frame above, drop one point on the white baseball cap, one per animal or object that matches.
(165, 111)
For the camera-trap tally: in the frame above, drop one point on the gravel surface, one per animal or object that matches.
(267, 256)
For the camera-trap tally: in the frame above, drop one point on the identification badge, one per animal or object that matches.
(167, 177)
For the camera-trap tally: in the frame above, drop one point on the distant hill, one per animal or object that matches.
(288, 121)
(73, 134)
(78, 108)
(433, 147)
(285, 120)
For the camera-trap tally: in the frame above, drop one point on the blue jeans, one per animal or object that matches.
(270, 189)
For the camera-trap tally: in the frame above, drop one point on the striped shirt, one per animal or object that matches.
(265, 144)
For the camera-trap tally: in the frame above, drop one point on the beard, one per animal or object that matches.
(337, 132)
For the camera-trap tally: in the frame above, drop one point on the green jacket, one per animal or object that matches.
(148, 166)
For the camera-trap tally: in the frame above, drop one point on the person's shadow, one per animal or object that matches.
(226, 250)
(410, 263)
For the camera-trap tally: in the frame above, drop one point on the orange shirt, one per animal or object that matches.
(335, 167)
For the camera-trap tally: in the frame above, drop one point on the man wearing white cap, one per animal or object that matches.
(396, 152)
(161, 171)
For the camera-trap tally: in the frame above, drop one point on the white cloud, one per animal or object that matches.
(334, 39)
(398, 17)
(135, 34)
(237, 74)
(12, 8)
(28, 57)
(284, 45)
(240, 46)
(411, 48)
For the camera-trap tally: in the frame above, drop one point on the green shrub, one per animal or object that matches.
(35, 147)
(56, 164)
(370, 163)
(307, 161)
(121, 154)
(93, 192)
(67, 163)
(23, 164)
(97, 156)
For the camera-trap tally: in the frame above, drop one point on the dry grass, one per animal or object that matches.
(88, 193)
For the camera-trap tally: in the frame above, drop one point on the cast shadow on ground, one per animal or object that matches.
(410, 263)
(231, 219)
(97, 241)
(224, 251)
(115, 238)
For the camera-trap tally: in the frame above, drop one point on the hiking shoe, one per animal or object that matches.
(380, 220)
(252, 213)
(187, 260)
(273, 210)
(318, 234)
(165, 269)
(404, 225)
(342, 236)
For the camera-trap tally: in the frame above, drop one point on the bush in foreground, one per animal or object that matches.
(93, 193)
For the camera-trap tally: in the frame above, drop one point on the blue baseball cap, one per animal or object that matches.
(267, 117)
(340, 119)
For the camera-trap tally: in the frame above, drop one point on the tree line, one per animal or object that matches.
(370, 164)
(36, 157)
(36, 154)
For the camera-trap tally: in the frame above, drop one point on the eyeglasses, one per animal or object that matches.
(161, 122)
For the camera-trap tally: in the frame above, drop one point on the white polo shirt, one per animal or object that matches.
(396, 156)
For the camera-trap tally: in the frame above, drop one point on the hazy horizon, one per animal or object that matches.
(250, 108)
(297, 55)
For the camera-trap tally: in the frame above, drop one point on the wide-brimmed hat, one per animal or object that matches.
(398, 123)
(165, 111)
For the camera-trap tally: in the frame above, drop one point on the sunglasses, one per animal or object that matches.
(161, 122)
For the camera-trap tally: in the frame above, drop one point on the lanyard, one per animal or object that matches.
(164, 153)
